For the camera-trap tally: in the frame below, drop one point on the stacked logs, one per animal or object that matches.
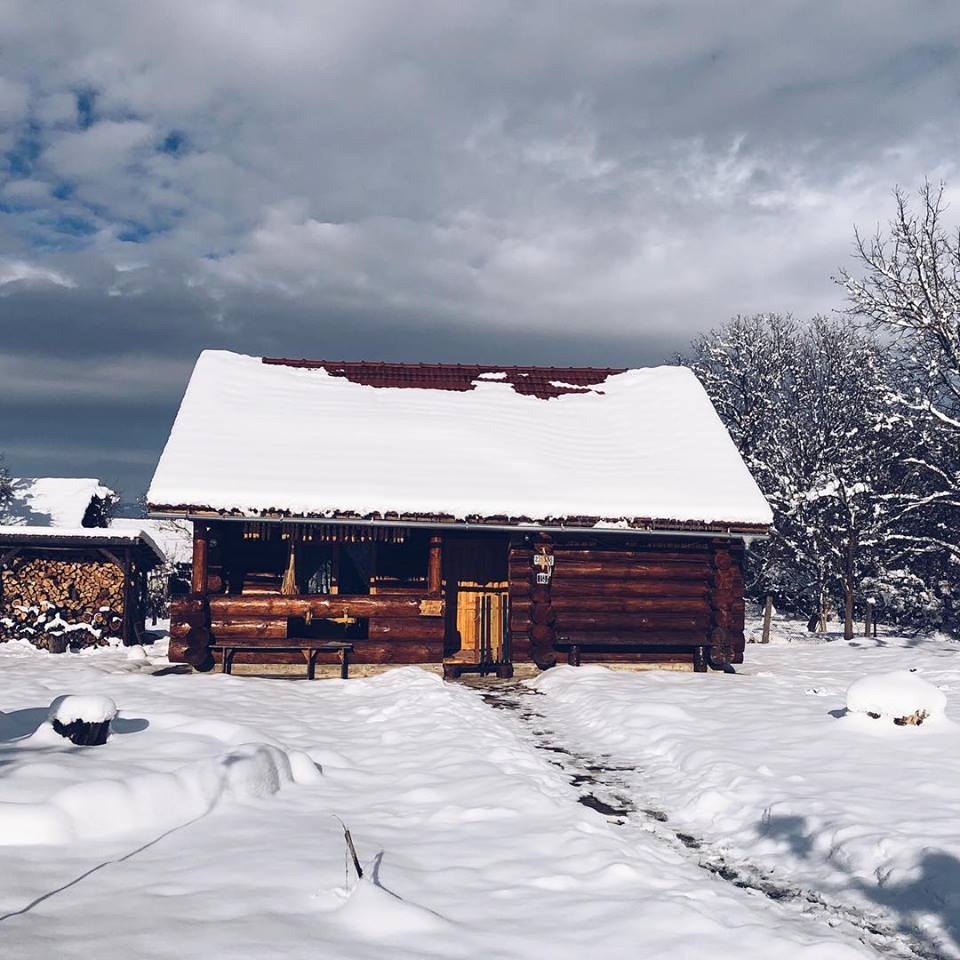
(57, 604)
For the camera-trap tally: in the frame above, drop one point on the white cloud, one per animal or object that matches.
(56, 108)
(18, 271)
(13, 100)
(98, 151)
(27, 191)
(630, 169)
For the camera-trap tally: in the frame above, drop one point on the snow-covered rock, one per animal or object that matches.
(898, 695)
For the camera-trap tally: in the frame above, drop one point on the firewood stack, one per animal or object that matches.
(57, 604)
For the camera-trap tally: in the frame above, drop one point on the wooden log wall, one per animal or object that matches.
(727, 601)
(664, 595)
(520, 574)
(400, 628)
(190, 631)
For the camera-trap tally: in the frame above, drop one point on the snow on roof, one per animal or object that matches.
(53, 501)
(100, 536)
(618, 448)
(174, 537)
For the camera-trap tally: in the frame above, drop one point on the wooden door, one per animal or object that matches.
(481, 617)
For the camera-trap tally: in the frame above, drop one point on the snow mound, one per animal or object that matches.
(375, 913)
(87, 709)
(900, 695)
(95, 809)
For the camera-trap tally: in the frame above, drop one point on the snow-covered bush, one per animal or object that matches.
(900, 696)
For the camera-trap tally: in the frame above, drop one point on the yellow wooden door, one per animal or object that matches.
(481, 609)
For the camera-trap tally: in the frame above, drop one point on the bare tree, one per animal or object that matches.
(808, 405)
(910, 287)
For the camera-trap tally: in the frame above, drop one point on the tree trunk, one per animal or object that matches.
(767, 614)
(848, 585)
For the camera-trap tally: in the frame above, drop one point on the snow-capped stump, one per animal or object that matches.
(900, 696)
(83, 720)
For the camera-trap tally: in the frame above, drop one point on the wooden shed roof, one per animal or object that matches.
(81, 538)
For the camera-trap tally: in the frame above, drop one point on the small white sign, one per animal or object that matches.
(543, 560)
(543, 578)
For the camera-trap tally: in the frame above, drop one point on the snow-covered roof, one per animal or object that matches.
(53, 501)
(78, 537)
(174, 537)
(540, 446)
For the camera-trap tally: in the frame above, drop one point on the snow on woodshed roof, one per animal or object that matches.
(53, 501)
(444, 442)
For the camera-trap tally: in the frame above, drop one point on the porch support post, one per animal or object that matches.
(128, 600)
(435, 566)
(542, 631)
(201, 546)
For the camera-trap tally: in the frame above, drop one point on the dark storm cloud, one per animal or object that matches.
(517, 182)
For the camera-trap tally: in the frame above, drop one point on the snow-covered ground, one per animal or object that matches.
(769, 769)
(206, 826)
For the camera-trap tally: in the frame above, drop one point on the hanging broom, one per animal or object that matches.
(289, 585)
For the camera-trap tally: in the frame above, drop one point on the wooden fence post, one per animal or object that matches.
(767, 614)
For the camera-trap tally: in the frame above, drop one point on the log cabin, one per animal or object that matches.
(472, 516)
(65, 588)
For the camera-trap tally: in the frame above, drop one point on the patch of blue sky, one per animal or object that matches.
(49, 230)
(86, 108)
(137, 233)
(72, 225)
(174, 143)
(217, 255)
(22, 156)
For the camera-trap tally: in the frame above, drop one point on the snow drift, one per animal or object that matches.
(897, 696)
(99, 809)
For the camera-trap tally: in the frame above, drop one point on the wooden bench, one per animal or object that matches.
(574, 645)
(311, 649)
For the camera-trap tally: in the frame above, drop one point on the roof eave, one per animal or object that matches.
(740, 531)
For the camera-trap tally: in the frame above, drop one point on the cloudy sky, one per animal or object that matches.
(516, 182)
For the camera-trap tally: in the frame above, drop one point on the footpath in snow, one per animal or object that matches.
(206, 827)
(770, 777)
